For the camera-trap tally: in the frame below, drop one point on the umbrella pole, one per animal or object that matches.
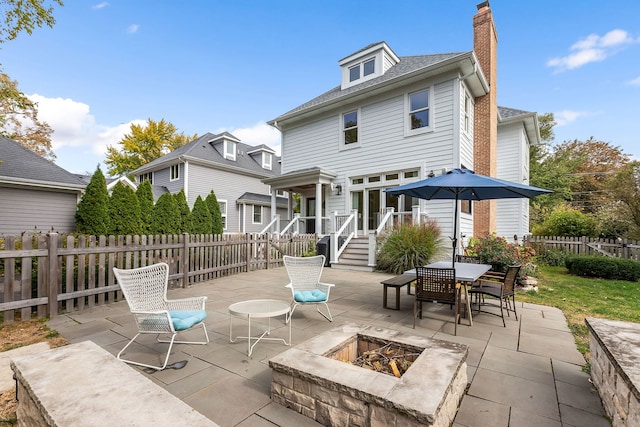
(455, 234)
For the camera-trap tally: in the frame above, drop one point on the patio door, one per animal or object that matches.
(357, 203)
(373, 211)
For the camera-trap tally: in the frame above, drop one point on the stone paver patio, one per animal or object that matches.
(526, 374)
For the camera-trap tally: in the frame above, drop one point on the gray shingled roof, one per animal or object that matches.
(21, 165)
(262, 199)
(200, 148)
(506, 113)
(407, 65)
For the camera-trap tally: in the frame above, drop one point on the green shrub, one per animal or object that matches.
(145, 199)
(201, 221)
(216, 215)
(603, 267)
(568, 222)
(185, 212)
(124, 211)
(497, 251)
(166, 216)
(92, 215)
(408, 246)
(553, 258)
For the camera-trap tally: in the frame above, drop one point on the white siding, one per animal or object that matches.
(36, 210)
(512, 216)
(227, 186)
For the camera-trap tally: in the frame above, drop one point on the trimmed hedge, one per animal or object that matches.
(604, 267)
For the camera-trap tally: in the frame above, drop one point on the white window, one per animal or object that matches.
(363, 69)
(223, 212)
(146, 177)
(350, 128)
(419, 115)
(266, 161)
(257, 214)
(468, 105)
(229, 150)
(175, 172)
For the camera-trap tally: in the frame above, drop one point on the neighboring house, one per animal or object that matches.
(232, 169)
(36, 195)
(398, 119)
(111, 182)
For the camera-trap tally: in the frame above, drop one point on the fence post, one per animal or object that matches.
(53, 276)
(184, 262)
(625, 248)
(583, 245)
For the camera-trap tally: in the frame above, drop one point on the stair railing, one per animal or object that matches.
(347, 231)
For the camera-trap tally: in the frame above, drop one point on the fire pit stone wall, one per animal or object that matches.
(339, 394)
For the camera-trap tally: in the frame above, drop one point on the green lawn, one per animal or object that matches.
(580, 297)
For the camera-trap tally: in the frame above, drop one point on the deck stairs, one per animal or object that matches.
(355, 256)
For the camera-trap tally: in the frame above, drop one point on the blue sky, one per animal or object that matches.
(211, 66)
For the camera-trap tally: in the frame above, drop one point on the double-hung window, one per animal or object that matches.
(468, 105)
(174, 172)
(257, 214)
(230, 150)
(223, 212)
(266, 161)
(419, 110)
(350, 128)
(146, 177)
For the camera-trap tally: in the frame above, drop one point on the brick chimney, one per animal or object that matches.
(485, 41)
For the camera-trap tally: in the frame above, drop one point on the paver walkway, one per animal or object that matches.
(527, 374)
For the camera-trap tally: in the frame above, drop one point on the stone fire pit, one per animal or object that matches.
(307, 379)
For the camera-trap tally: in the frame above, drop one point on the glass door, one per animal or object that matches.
(373, 211)
(357, 203)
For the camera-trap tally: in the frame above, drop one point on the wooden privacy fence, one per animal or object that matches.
(619, 248)
(50, 273)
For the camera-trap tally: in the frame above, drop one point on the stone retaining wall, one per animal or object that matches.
(615, 351)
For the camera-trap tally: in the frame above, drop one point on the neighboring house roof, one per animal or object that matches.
(21, 166)
(405, 69)
(158, 190)
(201, 150)
(261, 199)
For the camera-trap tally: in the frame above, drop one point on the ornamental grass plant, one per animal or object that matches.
(409, 245)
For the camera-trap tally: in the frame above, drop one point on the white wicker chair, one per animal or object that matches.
(145, 290)
(306, 288)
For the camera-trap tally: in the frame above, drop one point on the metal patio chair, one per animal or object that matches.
(306, 287)
(436, 285)
(145, 290)
(500, 286)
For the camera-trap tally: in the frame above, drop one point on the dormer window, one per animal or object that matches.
(364, 69)
(367, 64)
(266, 160)
(229, 150)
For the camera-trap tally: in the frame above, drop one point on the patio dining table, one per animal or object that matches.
(466, 273)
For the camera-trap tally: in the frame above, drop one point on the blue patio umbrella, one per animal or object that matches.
(465, 184)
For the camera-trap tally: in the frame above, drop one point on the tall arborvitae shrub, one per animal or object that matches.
(202, 222)
(92, 215)
(166, 216)
(124, 211)
(185, 212)
(145, 198)
(214, 208)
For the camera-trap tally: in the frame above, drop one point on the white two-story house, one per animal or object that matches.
(232, 169)
(396, 119)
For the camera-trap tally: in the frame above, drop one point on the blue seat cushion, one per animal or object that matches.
(315, 295)
(185, 319)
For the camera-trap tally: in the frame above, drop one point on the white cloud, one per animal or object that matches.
(567, 116)
(75, 126)
(133, 28)
(260, 133)
(592, 48)
(635, 82)
(101, 5)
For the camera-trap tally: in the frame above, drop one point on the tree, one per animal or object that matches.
(25, 15)
(19, 119)
(216, 215)
(144, 194)
(201, 218)
(625, 187)
(185, 212)
(143, 145)
(166, 216)
(565, 221)
(92, 215)
(124, 211)
(594, 162)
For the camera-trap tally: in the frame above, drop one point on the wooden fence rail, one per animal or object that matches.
(619, 248)
(44, 275)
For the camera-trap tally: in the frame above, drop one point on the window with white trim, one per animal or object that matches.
(229, 150)
(266, 161)
(350, 128)
(466, 125)
(174, 172)
(419, 110)
(257, 214)
(362, 69)
(146, 177)
(223, 212)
